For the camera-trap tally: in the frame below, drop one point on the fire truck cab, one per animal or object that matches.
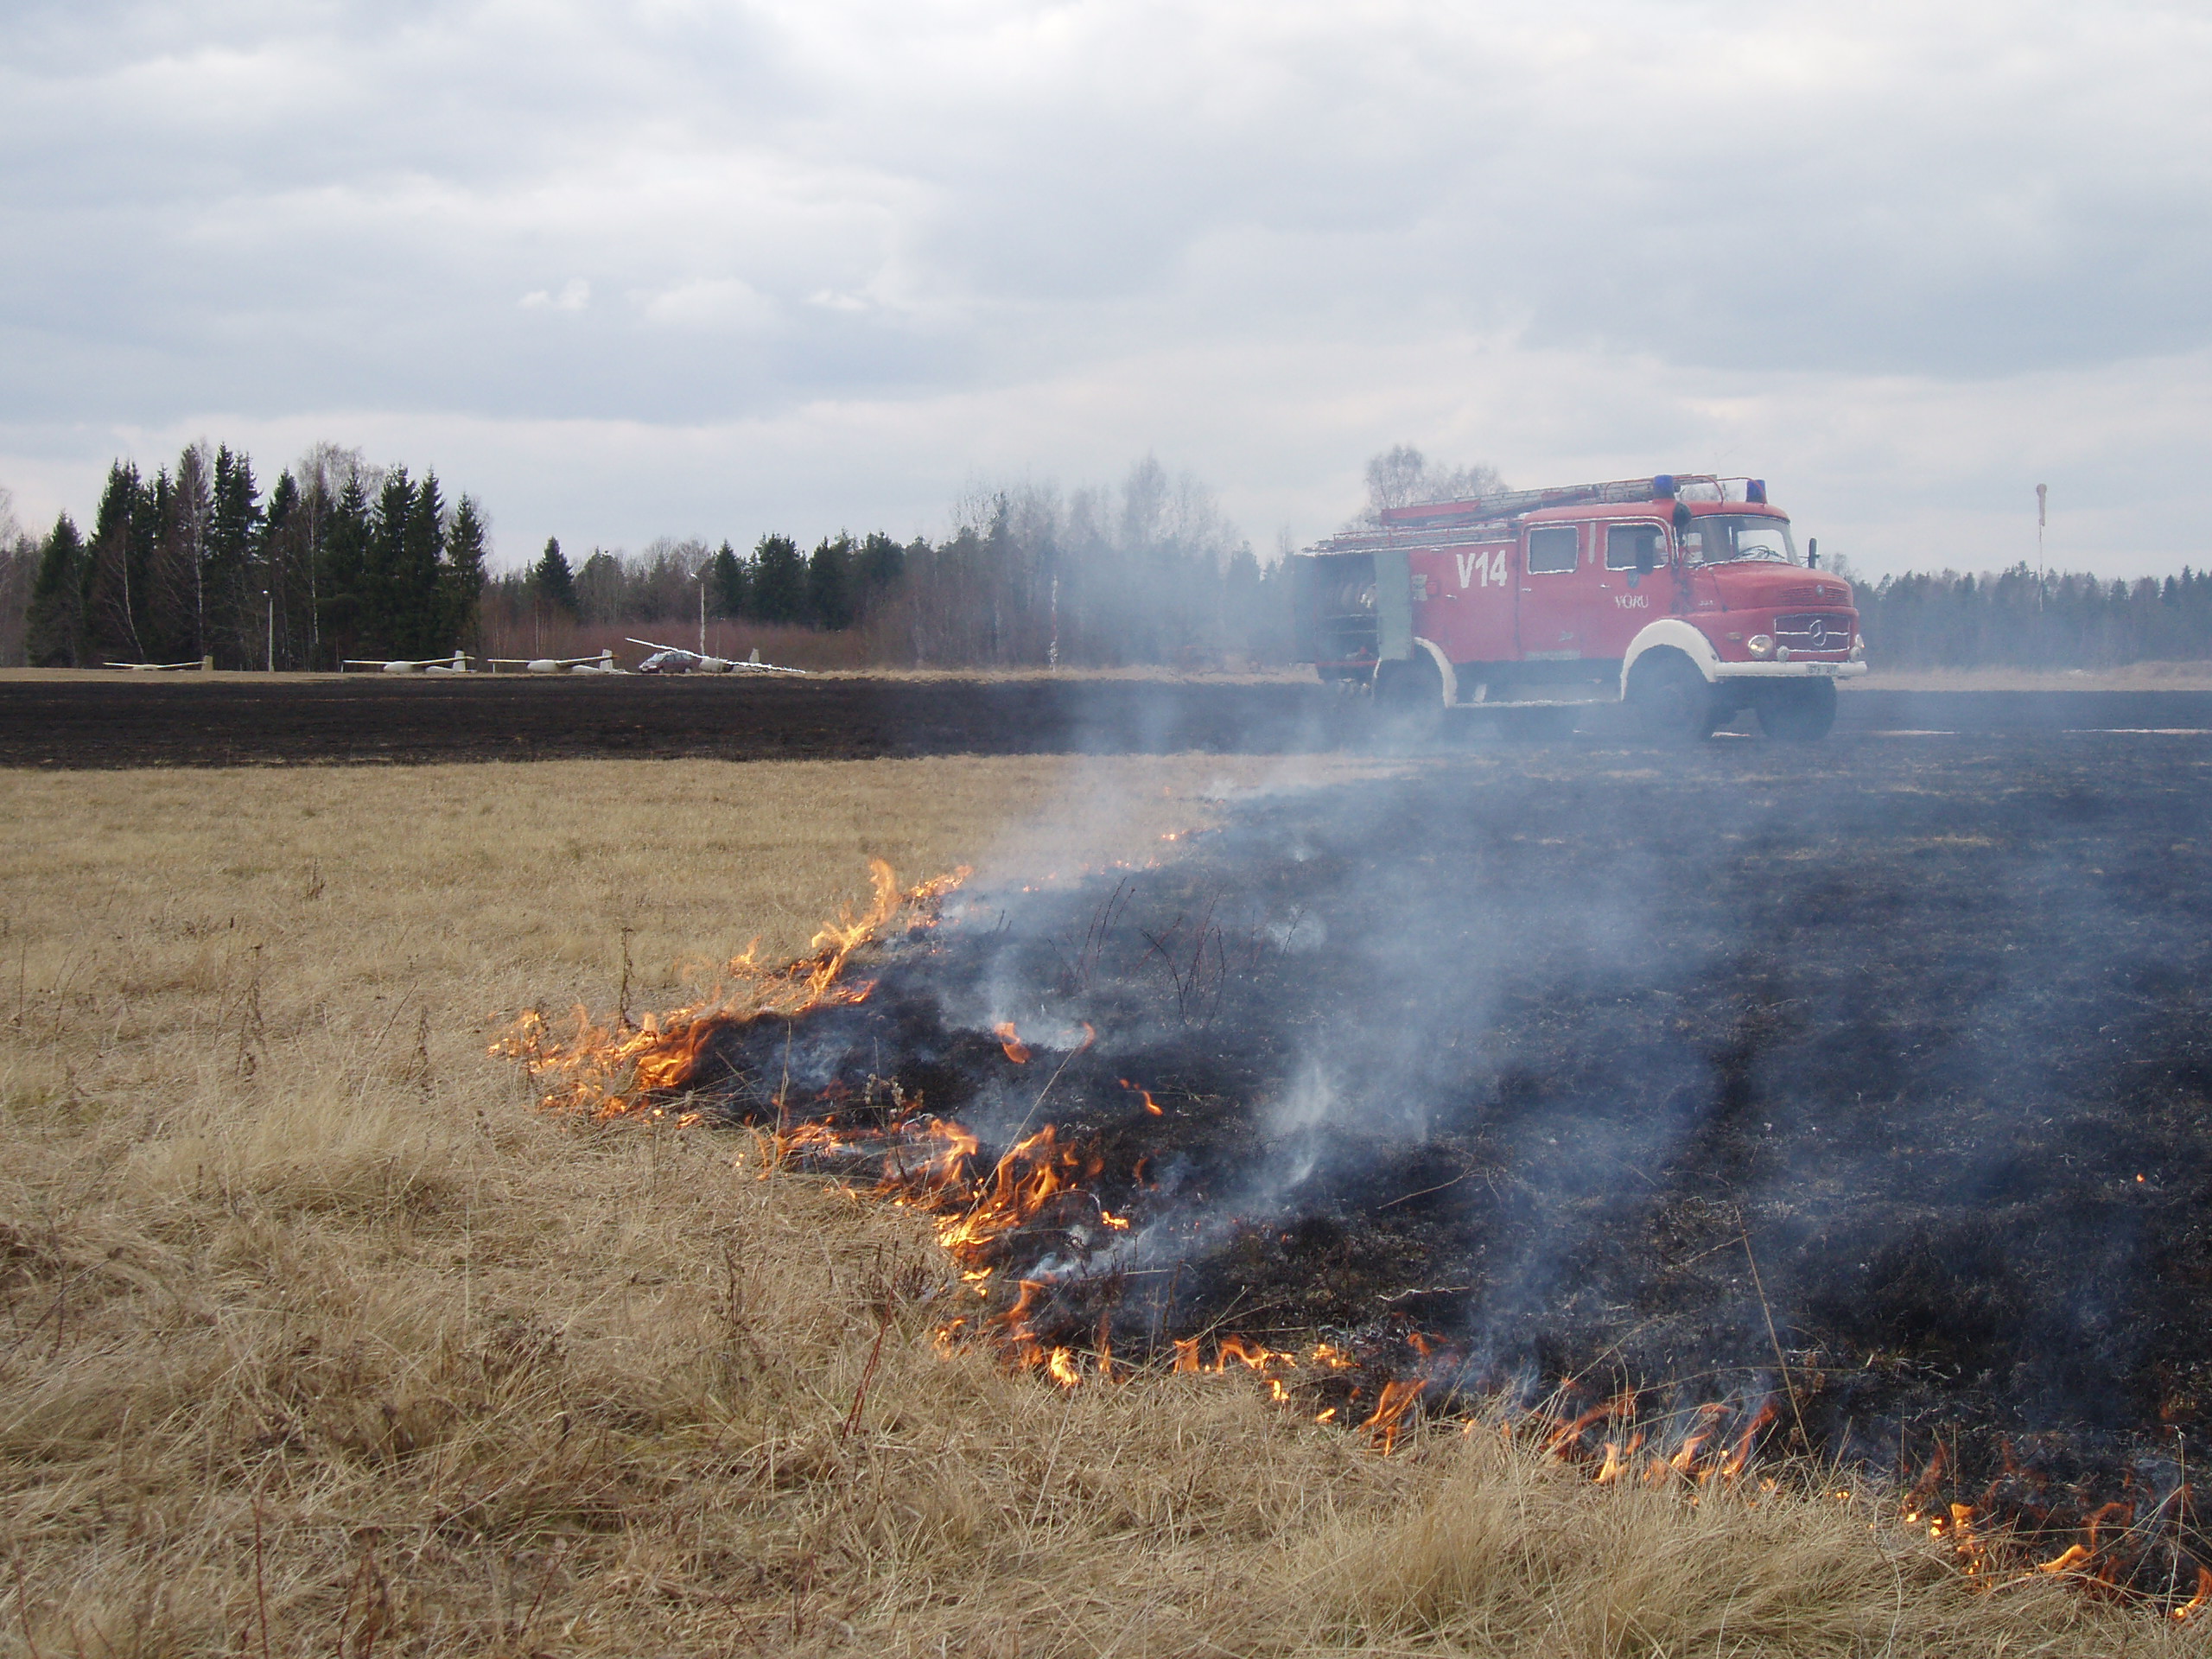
(1684, 597)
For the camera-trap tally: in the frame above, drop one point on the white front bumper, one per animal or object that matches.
(1799, 670)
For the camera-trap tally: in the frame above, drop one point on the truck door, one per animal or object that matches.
(1627, 594)
(1552, 597)
(1469, 609)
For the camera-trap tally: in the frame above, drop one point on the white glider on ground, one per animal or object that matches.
(458, 664)
(160, 668)
(602, 663)
(674, 660)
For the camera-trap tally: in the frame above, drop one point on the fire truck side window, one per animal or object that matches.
(1634, 547)
(1552, 548)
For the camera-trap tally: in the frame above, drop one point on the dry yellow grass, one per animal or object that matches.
(321, 1339)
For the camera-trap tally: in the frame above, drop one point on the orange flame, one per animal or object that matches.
(1150, 1105)
(1618, 1457)
(2074, 1556)
(1034, 1170)
(1016, 1049)
(609, 1071)
(1398, 1399)
(1565, 1439)
(1685, 1458)
(1251, 1354)
(2204, 1594)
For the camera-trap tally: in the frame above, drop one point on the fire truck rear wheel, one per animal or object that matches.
(1409, 697)
(1671, 701)
(1797, 711)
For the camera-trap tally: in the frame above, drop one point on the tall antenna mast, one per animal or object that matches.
(2043, 501)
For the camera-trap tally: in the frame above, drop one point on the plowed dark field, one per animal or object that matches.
(372, 718)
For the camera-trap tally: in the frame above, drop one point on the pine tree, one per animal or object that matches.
(230, 591)
(779, 581)
(461, 580)
(879, 568)
(283, 533)
(54, 629)
(115, 571)
(726, 583)
(828, 585)
(418, 615)
(551, 579)
(177, 614)
(384, 608)
(341, 580)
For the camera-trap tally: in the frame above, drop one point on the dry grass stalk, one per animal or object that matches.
(319, 1339)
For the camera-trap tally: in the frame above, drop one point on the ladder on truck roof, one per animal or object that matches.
(1508, 503)
(1489, 517)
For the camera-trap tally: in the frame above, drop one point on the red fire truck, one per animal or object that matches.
(1683, 597)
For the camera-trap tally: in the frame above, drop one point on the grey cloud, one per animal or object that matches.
(276, 209)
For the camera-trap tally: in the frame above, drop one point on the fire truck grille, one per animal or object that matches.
(1815, 631)
(1811, 593)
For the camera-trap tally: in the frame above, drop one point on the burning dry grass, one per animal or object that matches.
(320, 1338)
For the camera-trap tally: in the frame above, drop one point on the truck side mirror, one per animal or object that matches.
(1682, 515)
(1813, 553)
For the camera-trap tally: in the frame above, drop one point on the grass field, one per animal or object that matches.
(320, 1339)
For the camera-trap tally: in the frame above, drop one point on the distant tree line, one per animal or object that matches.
(340, 560)
(1147, 571)
(2016, 619)
(830, 588)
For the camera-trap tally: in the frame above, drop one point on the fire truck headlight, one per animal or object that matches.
(1858, 650)
(1760, 644)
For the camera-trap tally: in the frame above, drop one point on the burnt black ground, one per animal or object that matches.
(1540, 1052)
(136, 721)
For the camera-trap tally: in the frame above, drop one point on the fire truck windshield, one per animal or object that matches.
(1726, 539)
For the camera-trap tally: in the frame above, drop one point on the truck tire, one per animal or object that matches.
(1408, 699)
(1797, 711)
(1670, 700)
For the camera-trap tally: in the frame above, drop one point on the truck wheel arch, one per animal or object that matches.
(1673, 632)
(1443, 668)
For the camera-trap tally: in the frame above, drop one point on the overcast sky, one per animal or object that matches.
(715, 269)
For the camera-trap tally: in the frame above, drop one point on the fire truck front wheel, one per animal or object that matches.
(1797, 711)
(1670, 700)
